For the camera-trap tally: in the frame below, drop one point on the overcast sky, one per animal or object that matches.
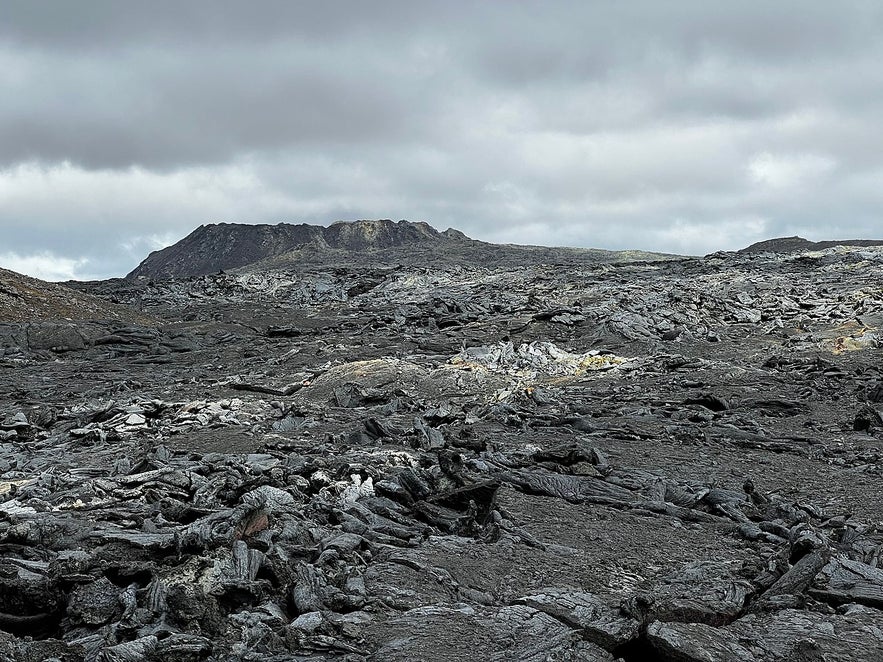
(683, 127)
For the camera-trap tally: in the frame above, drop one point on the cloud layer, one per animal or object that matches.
(684, 127)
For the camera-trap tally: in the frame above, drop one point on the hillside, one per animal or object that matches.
(799, 245)
(228, 246)
(222, 246)
(26, 299)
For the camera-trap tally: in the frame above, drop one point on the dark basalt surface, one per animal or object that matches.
(228, 246)
(219, 246)
(801, 245)
(671, 460)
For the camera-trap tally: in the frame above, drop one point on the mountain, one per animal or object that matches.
(229, 246)
(799, 245)
(222, 246)
(26, 299)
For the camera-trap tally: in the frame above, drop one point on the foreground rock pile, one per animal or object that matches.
(655, 460)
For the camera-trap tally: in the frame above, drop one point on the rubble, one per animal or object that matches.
(671, 460)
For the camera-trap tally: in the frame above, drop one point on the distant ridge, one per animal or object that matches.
(240, 247)
(221, 246)
(799, 244)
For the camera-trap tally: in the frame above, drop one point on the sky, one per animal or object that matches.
(682, 126)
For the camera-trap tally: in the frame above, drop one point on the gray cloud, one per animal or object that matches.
(685, 126)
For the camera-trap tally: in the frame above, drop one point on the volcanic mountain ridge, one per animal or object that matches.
(797, 244)
(367, 243)
(221, 246)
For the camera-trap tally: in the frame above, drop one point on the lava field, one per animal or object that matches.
(637, 459)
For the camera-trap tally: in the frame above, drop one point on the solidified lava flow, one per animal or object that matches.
(382, 442)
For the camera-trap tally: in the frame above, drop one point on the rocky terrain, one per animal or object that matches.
(26, 299)
(562, 459)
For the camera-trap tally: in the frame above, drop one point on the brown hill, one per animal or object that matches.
(26, 299)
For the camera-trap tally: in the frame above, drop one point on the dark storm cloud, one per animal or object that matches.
(109, 84)
(159, 109)
(684, 126)
(106, 24)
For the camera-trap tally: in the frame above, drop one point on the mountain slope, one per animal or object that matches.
(26, 299)
(799, 245)
(229, 246)
(215, 247)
